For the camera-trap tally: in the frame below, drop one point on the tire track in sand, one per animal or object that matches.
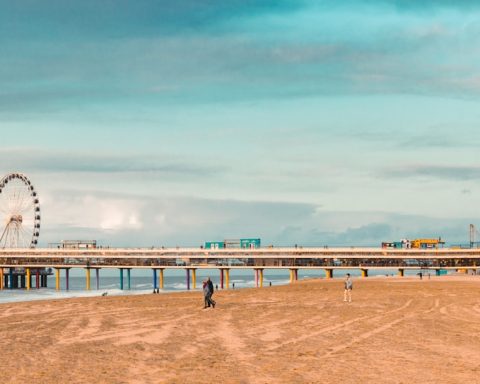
(386, 326)
(338, 326)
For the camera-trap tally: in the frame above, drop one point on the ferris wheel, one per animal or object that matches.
(19, 212)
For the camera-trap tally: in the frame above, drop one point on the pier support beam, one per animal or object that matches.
(87, 278)
(227, 278)
(1, 278)
(401, 272)
(261, 278)
(364, 272)
(15, 281)
(57, 279)
(121, 279)
(293, 275)
(67, 279)
(11, 278)
(37, 279)
(256, 278)
(97, 277)
(155, 286)
(187, 271)
(194, 278)
(221, 278)
(329, 273)
(161, 279)
(129, 280)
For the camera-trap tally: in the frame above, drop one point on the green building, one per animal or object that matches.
(214, 245)
(250, 243)
(235, 243)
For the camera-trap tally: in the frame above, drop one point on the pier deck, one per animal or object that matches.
(28, 261)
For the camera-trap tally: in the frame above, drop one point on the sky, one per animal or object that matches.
(145, 123)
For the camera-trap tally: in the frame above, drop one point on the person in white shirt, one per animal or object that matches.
(348, 289)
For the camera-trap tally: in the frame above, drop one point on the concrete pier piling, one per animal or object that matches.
(121, 279)
(67, 279)
(161, 279)
(194, 278)
(57, 279)
(227, 278)
(87, 278)
(155, 280)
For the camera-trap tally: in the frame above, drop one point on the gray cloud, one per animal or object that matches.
(48, 161)
(444, 172)
(239, 61)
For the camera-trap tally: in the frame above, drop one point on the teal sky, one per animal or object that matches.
(163, 123)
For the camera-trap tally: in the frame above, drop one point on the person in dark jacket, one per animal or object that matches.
(205, 294)
(208, 291)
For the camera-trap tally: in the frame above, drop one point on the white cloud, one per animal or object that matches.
(99, 212)
(121, 220)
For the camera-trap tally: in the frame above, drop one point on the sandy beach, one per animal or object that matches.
(395, 331)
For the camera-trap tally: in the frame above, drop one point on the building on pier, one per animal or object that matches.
(74, 244)
(250, 243)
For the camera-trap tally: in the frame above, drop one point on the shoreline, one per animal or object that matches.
(38, 295)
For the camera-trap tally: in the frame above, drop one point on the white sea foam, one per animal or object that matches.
(11, 296)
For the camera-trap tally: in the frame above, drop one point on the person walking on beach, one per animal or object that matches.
(348, 289)
(210, 292)
(207, 293)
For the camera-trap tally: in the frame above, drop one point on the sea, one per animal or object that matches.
(141, 282)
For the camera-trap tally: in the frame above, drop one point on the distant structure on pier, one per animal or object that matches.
(415, 244)
(74, 244)
(252, 243)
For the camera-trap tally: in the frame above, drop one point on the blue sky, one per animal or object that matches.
(165, 123)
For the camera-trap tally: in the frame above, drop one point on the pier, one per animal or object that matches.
(19, 266)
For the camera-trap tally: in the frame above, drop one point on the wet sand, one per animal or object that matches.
(395, 331)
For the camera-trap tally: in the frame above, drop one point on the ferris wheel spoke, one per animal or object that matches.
(18, 201)
(28, 234)
(4, 202)
(26, 237)
(5, 237)
(28, 200)
(11, 196)
(3, 209)
(5, 231)
(27, 207)
(20, 198)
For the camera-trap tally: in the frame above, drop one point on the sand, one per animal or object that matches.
(395, 331)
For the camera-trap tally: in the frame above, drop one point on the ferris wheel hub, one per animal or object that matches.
(16, 219)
